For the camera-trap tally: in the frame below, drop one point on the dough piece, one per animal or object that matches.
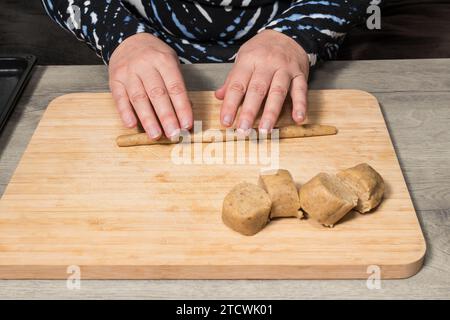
(246, 208)
(366, 183)
(282, 191)
(326, 199)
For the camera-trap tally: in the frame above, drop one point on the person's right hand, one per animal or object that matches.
(144, 75)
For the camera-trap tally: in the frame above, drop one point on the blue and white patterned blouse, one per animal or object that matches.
(209, 30)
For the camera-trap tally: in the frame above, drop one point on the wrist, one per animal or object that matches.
(131, 43)
(302, 47)
(280, 36)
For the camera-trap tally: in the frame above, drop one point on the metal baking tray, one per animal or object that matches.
(14, 74)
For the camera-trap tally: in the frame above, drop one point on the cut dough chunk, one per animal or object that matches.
(366, 183)
(246, 208)
(282, 191)
(326, 199)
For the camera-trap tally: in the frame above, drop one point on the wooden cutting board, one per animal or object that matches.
(76, 199)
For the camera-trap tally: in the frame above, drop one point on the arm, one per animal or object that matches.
(275, 62)
(319, 27)
(102, 24)
(144, 75)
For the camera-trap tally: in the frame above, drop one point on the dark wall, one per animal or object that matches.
(410, 29)
(25, 28)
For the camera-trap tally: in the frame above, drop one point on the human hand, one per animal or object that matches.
(267, 66)
(144, 75)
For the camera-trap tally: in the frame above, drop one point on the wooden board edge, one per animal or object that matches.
(60, 100)
(189, 272)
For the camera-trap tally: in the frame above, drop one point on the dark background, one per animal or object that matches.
(409, 29)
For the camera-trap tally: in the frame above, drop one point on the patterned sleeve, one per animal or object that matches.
(319, 26)
(102, 24)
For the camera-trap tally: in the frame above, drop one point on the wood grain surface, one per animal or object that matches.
(132, 213)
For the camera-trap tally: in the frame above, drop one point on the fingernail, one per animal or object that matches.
(265, 127)
(174, 134)
(186, 125)
(128, 120)
(240, 134)
(300, 115)
(171, 129)
(154, 133)
(227, 120)
(244, 127)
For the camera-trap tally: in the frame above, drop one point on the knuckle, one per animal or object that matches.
(157, 92)
(229, 106)
(138, 97)
(117, 71)
(248, 114)
(237, 86)
(299, 88)
(165, 57)
(168, 123)
(301, 76)
(122, 107)
(176, 88)
(146, 122)
(270, 114)
(124, 114)
(165, 115)
(280, 58)
(298, 103)
(182, 109)
(278, 90)
(116, 74)
(138, 64)
(259, 88)
(118, 95)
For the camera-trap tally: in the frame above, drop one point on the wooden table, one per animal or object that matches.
(415, 98)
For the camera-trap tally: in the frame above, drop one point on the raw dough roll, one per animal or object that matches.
(366, 183)
(326, 199)
(282, 191)
(246, 208)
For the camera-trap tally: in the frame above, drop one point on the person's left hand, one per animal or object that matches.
(268, 67)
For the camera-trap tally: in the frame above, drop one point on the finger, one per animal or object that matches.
(275, 99)
(143, 108)
(254, 97)
(123, 104)
(235, 91)
(220, 93)
(173, 81)
(157, 92)
(299, 94)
